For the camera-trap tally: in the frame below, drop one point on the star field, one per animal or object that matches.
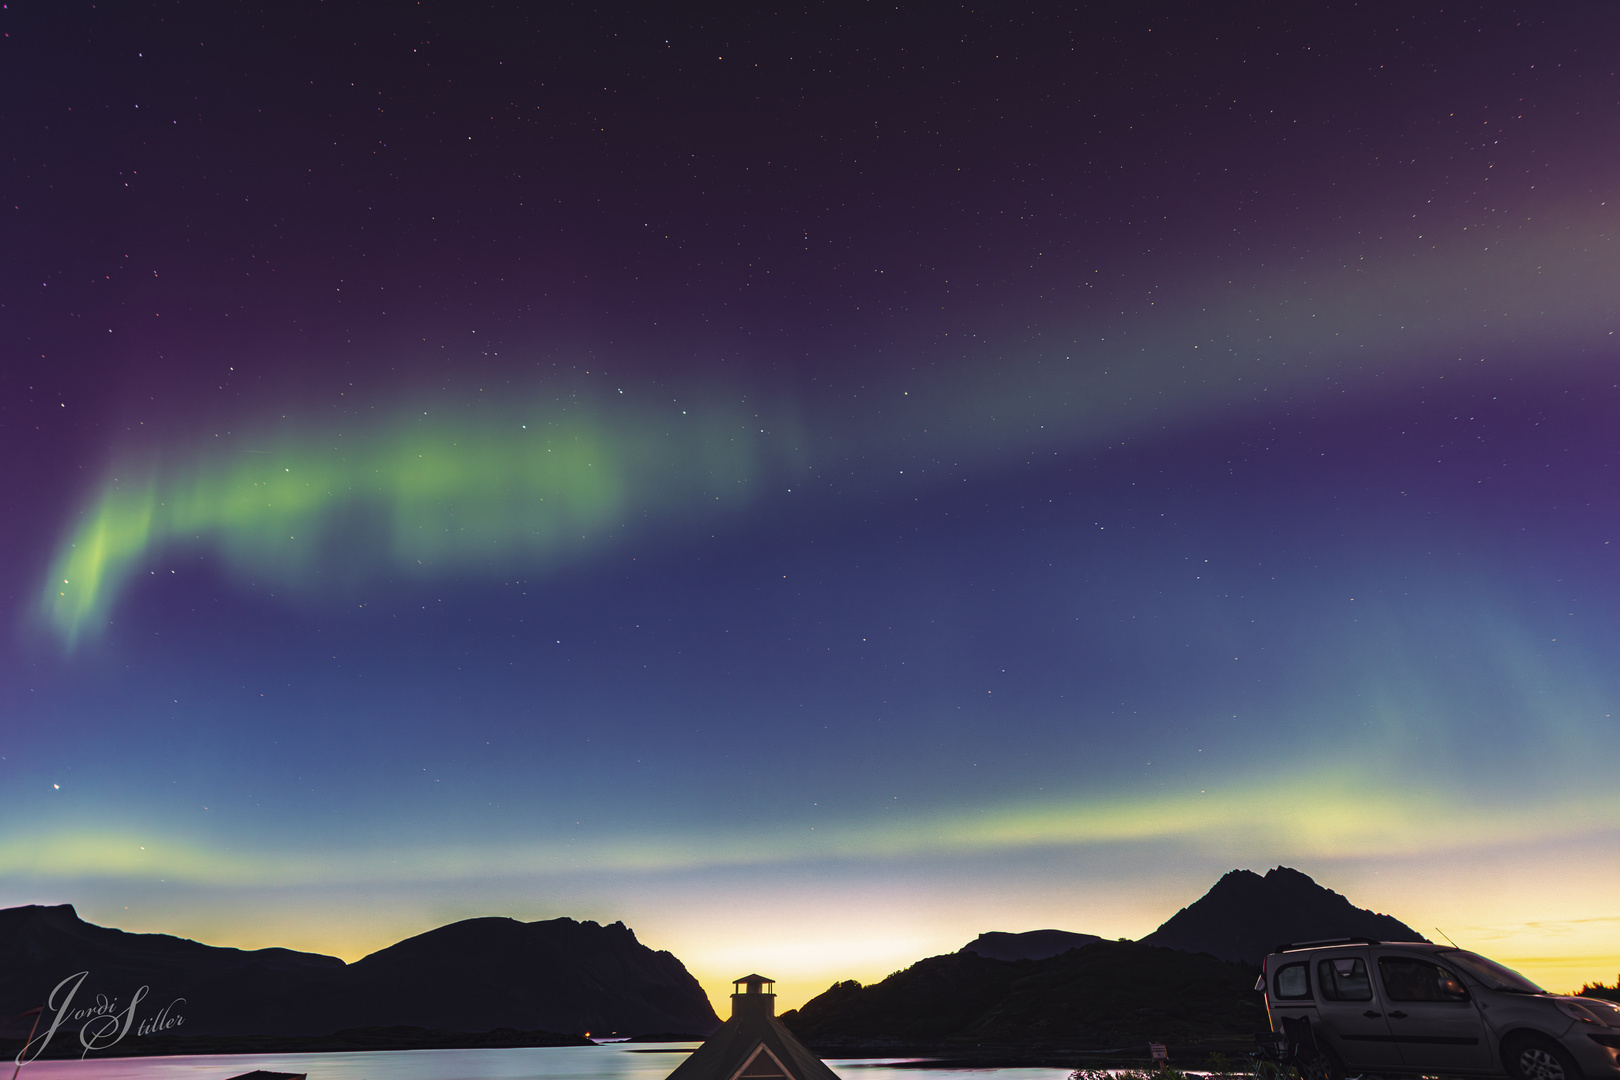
(947, 471)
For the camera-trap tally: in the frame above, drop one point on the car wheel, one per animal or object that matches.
(1539, 1059)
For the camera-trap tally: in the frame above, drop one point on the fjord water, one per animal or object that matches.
(643, 1061)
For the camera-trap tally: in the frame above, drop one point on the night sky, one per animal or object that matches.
(816, 484)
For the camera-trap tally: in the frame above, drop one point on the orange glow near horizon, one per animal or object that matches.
(808, 931)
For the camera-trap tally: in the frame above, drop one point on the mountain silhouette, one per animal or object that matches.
(1030, 945)
(41, 946)
(1106, 995)
(1190, 982)
(1245, 916)
(472, 976)
(558, 975)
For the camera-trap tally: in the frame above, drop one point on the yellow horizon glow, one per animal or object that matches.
(1400, 850)
(811, 935)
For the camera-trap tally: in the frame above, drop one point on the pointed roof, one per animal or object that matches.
(753, 1045)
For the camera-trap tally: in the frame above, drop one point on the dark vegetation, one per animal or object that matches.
(1598, 990)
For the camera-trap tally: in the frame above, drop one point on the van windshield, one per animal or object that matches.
(1492, 974)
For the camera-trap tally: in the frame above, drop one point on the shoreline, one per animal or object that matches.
(350, 1040)
(386, 1039)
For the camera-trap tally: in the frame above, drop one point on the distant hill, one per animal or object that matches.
(1109, 994)
(1030, 945)
(1189, 983)
(473, 976)
(559, 975)
(41, 946)
(1244, 916)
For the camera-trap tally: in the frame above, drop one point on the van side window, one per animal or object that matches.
(1344, 978)
(1292, 981)
(1407, 978)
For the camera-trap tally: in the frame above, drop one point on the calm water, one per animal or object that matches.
(646, 1061)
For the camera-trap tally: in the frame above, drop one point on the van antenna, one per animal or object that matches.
(1442, 933)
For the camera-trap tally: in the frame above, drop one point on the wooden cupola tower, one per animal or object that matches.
(753, 1044)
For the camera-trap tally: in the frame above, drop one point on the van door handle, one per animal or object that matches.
(1397, 1015)
(1369, 1014)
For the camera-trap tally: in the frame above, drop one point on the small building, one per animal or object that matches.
(753, 1044)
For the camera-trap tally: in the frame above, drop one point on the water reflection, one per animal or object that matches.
(617, 1061)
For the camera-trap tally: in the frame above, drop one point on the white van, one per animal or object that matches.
(1399, 1007)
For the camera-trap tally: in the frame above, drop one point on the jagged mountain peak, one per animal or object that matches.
(1245, 915)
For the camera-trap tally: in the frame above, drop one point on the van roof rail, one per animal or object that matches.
(1290, 946)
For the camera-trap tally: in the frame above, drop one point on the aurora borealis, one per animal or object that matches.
(815, 485)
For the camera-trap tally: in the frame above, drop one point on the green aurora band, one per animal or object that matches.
(1339, 812)
(416, 495)
(514, 486)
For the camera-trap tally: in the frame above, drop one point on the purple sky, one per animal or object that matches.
(817, 486)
